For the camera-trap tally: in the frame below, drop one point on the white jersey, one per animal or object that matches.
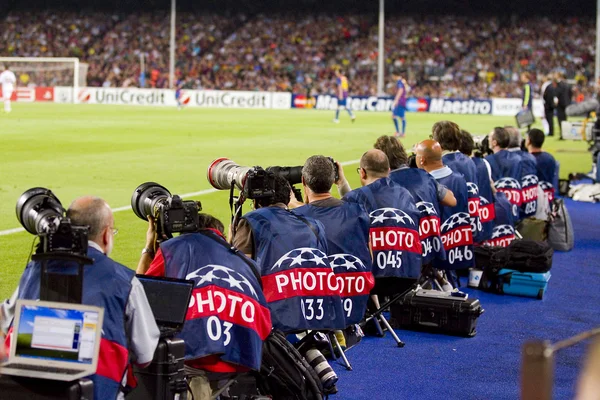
(8, 81)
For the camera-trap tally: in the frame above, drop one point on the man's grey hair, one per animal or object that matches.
(515, 136)
(319, 174)
(92, 212)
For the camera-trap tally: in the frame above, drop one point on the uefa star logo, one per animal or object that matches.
(457, 219)
(347, 262)
(224, 276)
(426, 208)
(483, 201)
(508, 183)
(545, 185)
(387, 213)
(301, 257)
(530, 180)
(502, 230)
(472, 188)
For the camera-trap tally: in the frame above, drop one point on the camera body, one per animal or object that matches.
(172, 214)
(65, 237)
(259, 183)
(177, 216)
(482, 146)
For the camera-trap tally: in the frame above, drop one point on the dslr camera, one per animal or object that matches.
(482, 146)
(171, 213)
(254, 182)
(40, 212)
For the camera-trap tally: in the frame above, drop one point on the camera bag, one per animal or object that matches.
(560, 227)
(450, 313)
(285, 374)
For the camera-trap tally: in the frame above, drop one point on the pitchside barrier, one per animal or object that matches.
(268, 100)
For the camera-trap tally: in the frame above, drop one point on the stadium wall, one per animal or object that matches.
(269, 100)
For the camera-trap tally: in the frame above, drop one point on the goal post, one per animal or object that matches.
(49, 71)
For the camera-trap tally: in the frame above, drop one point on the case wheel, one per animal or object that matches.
(540, 294)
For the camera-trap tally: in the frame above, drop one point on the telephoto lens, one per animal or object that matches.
(222, 172)
(319, 363)
(38, 209)
(146, 197)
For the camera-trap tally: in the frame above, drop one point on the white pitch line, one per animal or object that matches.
(125, 208)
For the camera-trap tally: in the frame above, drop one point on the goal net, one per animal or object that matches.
(48, 72)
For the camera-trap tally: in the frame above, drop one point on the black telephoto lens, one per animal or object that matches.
(292, 174)
(38, 209)
(146, 197)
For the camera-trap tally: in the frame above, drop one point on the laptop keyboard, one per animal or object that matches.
(43, 368)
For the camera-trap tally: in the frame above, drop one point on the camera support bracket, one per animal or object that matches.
(57, 286)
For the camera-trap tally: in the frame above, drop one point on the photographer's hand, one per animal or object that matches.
(294, 203)
(151, 236)
(342, 183)
(150, 249)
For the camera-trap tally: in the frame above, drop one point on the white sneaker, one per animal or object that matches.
(336, 121)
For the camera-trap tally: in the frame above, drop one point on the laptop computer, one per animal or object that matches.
(169, 299)
(57, 341)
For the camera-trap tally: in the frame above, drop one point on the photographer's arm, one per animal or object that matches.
(445, 196)
(149, 249)
(243, 239)
(342, 183)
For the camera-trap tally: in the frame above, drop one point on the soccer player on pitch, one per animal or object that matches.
(8, 81)
(178, 93)
(342, 95)
(399, 105)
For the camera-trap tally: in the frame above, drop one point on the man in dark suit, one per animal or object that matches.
(549, 97)
(564, 92)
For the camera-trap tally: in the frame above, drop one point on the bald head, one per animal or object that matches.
(375, 163)
(429, 155)
(92, 212)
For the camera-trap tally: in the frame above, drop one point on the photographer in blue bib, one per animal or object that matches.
(129, 332)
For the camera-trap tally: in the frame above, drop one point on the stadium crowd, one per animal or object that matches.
(447, 56)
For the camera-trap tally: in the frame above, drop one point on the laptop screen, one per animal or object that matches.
(57, 334)
(168, 298)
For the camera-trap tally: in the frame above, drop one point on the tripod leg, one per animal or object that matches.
(384, 322)
(337, 346)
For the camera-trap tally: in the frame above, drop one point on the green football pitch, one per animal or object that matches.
(108, 151)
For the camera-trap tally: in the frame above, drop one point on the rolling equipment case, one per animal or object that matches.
(164, 377)
(452, 313)
(527, 284)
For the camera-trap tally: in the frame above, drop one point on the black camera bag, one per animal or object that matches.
(285, 374)
(521, 255)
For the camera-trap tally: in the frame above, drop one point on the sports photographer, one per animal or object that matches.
(485, 185)
(291, 253)
(546, 166)
(505, 165)
(394, 227)
(457, 235)
(427, 192)
(227, 285)
(447, 134)
(129, 332)
(346, 229)
(529, 180)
